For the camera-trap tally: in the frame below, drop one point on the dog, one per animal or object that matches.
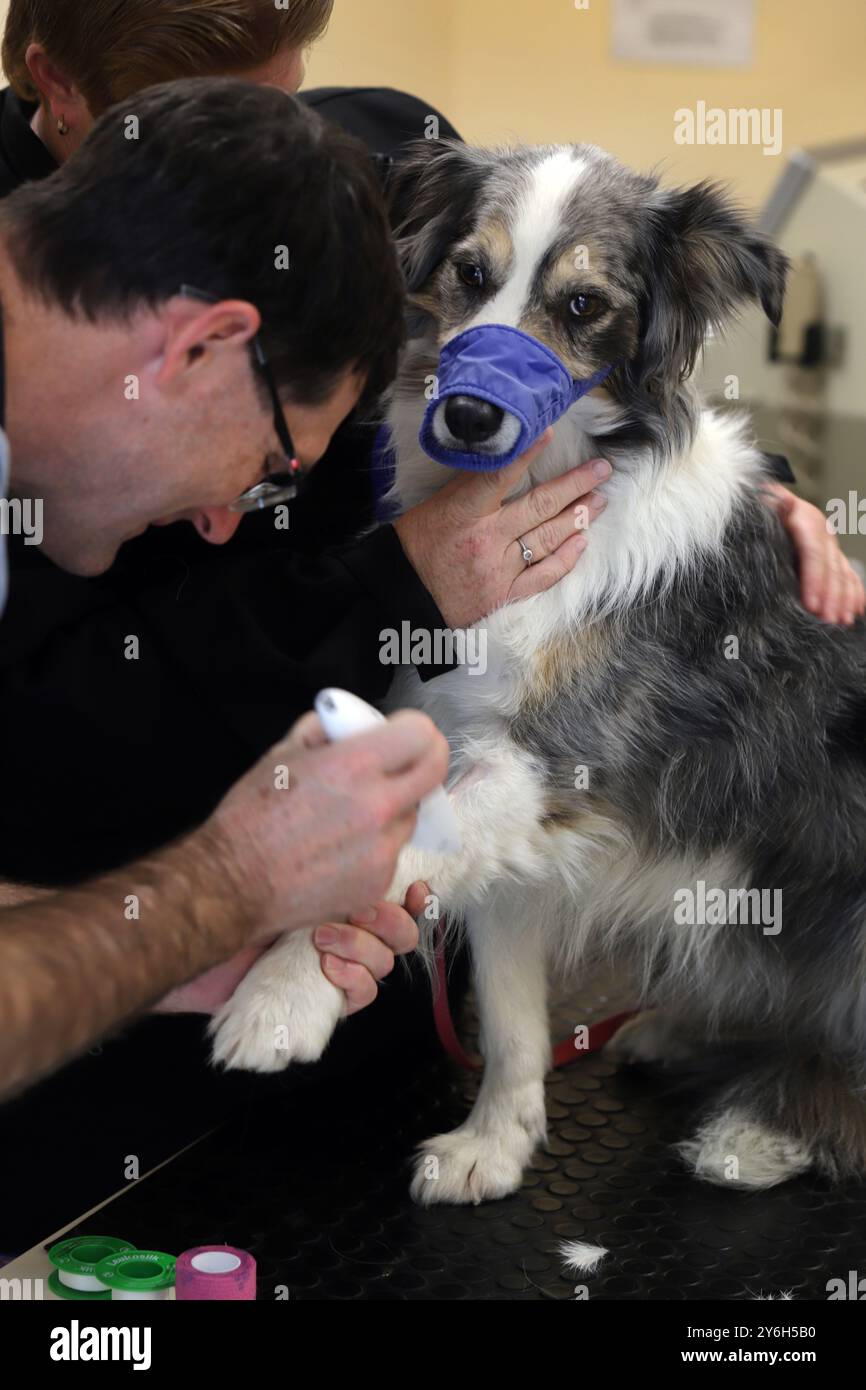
(663, 764)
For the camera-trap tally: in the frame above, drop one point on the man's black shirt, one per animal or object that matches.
(104, 758)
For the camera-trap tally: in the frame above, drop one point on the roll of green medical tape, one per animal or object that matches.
(137, 1274)
(75, 1262)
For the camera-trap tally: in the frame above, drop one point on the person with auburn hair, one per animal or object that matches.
(72, 59)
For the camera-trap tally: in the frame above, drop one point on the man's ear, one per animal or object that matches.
(193, 333)
(703, 262)
(432, 200)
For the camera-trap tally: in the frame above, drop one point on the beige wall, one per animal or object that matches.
(540, 70)
(391, 43)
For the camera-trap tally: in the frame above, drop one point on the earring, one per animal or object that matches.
(62, 127)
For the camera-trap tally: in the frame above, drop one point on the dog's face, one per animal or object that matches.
(595, 261)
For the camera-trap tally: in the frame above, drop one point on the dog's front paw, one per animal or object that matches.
(486, 1156)
(268, 1032)
(275, 1016)
(468, 1166)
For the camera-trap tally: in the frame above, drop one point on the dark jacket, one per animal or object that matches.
(103, 758)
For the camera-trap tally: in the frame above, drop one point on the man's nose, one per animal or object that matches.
(216, 524)
(472, 420)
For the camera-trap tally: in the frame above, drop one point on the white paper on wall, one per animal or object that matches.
(716, 33)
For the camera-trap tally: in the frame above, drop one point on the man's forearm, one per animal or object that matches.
(76, 964)
(16, 894)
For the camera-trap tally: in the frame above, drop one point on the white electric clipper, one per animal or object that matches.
(343, 715)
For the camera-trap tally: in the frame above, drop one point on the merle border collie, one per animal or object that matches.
(719, 725)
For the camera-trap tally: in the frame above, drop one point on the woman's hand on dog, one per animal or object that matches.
(466, 542)
(829, 586)
(357, 956)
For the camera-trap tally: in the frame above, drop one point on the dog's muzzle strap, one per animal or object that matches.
(509, 369)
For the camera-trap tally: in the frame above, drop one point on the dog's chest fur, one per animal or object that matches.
(561, 664)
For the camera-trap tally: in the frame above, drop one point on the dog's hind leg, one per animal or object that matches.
(788, 1115)
(654, 1036)
(485, 1157)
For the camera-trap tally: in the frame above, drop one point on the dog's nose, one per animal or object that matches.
(472, 420)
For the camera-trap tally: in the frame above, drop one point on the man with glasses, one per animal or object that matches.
(132, 398)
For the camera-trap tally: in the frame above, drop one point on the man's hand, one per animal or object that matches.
(829, 586)
(312, 833)
(466, 543)
(359, 952)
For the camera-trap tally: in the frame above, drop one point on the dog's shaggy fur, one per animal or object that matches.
(667, 716)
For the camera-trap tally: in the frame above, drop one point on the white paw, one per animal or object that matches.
(283, 1011)
(651, 1036)
(733, 1149)
(474, 1164)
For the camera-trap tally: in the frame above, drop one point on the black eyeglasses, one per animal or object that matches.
(281, 481)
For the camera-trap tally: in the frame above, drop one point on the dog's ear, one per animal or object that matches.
(703, 262)
(432, 199)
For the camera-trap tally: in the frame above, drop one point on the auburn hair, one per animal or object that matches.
(113, 48)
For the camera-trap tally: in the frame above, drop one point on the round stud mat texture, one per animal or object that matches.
(316, 1187)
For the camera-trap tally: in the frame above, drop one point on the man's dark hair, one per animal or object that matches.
(214, 183)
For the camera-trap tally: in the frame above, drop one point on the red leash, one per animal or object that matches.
(563, 1053)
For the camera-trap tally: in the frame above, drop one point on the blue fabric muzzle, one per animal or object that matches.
(498, 390)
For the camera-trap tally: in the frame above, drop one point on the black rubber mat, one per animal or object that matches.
(317, 1189)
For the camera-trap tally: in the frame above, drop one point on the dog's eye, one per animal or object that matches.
(471, 274)
(585, 306)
